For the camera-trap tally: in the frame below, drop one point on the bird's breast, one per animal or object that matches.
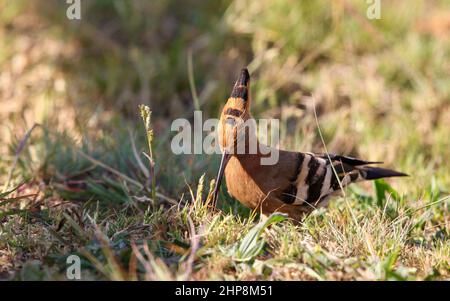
(241, 184)
(257, 186)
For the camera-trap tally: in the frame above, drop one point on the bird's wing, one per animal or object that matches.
(346, 159)
(319, 175)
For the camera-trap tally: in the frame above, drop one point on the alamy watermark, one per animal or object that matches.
(241, 137)
(73, 271)
(73, 11)
(374, 9)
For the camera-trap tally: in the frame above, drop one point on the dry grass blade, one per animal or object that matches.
(137, 157)
(19, 150)
(195, 242)
(355, 221)
(192, 80)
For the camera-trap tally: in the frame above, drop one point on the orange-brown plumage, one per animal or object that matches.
(297, 183)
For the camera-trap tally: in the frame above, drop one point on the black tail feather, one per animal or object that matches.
(349, 160)
(373, 173)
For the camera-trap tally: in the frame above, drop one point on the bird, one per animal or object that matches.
(297, 184)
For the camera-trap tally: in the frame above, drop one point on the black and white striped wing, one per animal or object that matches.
(319, 176)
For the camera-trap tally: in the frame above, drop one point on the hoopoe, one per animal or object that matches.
(297, 183)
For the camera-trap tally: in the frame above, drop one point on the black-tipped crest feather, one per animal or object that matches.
(240, 89)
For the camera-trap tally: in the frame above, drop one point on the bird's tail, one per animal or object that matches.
(373, 173)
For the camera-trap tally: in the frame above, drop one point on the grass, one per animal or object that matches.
(75, 179)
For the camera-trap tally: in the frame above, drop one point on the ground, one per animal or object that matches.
(74, 179)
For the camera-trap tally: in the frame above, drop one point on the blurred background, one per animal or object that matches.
(382, 86)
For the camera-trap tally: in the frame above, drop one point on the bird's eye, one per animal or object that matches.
(233, 112)
(230, 121)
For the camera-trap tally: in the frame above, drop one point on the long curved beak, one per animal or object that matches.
(223, 163)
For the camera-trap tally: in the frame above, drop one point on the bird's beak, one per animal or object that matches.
(223, 163)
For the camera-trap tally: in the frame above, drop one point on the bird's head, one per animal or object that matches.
(234, 114)
(233, 126)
